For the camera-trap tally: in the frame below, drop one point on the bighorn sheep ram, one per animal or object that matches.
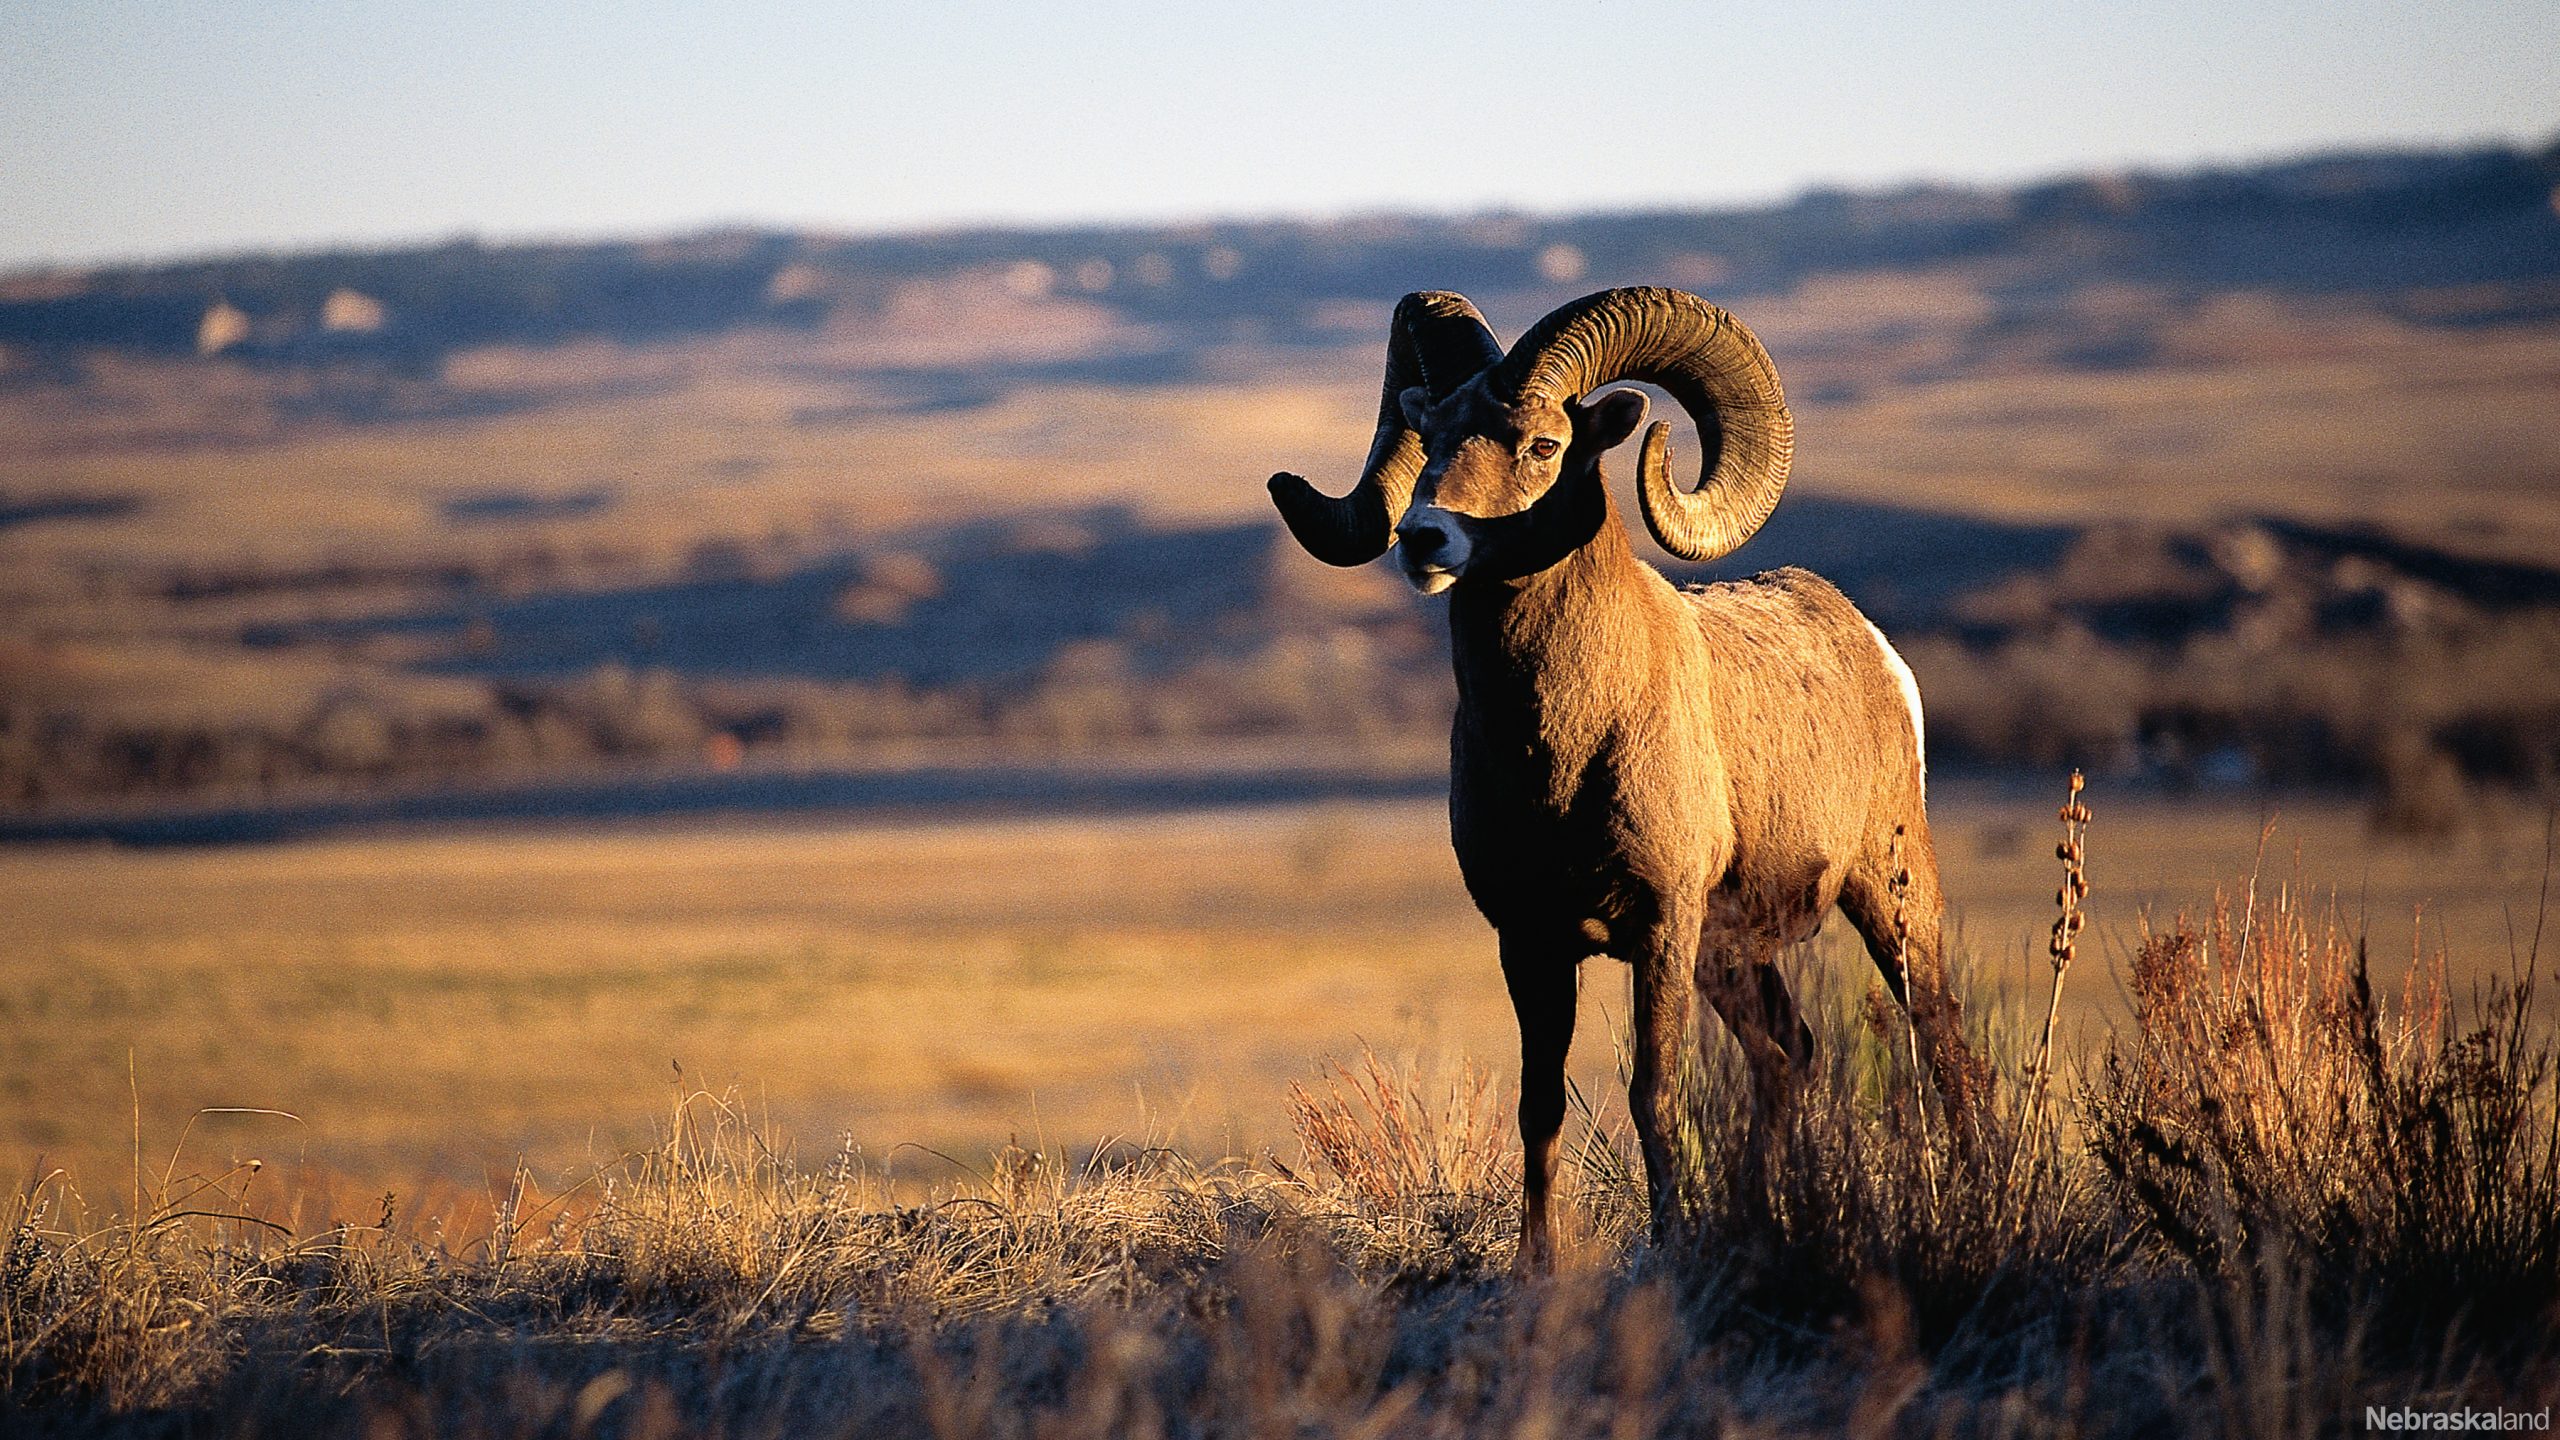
(1685, 780)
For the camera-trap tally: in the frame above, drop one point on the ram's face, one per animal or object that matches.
(1488, 459)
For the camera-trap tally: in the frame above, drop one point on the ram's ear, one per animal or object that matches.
(1416, 402)
(1609, 420)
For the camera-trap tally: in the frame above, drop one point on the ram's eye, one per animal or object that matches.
(1542, 448)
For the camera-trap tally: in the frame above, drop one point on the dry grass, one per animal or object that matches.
(1886, 1281)
(437, 1007)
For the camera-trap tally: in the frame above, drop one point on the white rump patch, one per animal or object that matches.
(1910, 698)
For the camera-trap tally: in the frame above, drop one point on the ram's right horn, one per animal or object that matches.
(1437, 341)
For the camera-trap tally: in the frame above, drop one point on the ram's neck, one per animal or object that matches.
(1563, 649)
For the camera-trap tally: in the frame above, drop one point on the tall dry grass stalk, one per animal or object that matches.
(2061, 950)
(1899, 884)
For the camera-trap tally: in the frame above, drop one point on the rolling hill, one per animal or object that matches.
(2235, 477)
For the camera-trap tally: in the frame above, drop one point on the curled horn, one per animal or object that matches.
(1718, 372)
(1437, 341)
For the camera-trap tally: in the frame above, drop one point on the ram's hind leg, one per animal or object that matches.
(1740, 978)
(1905, 937)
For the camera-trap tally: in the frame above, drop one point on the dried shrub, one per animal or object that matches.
(2268, 1108)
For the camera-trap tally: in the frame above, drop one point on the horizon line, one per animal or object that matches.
(318, 247)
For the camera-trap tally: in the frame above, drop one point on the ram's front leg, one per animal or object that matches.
(1541, 977)
(1665, 1028)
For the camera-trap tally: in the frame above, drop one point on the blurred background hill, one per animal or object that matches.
(2229, 478)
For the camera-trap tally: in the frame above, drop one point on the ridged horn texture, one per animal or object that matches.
(1438, 341)
(1718, 372)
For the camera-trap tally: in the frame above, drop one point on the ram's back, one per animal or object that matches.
(1816, 725)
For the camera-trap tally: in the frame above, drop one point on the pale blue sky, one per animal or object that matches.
(148, 129)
